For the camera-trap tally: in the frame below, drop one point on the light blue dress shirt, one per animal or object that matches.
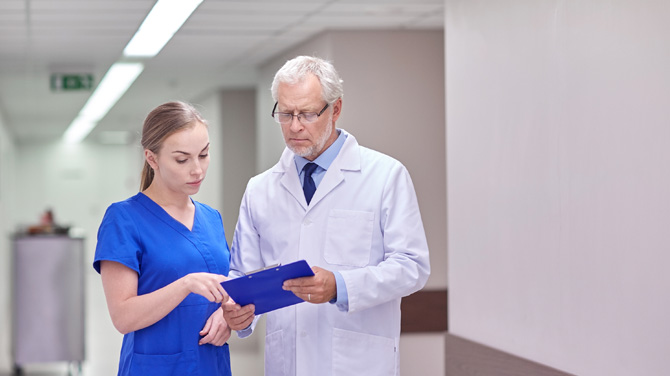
(324, 161)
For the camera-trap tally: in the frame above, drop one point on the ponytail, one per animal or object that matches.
(147, 176)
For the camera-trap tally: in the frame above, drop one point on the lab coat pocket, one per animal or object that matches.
(349, 238)
(274, 350)
(363, 354)
(183, 363)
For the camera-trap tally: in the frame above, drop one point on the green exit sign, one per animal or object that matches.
(71, 82)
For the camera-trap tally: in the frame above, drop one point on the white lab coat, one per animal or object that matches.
(364, 222)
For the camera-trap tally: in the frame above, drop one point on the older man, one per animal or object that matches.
(352, 213)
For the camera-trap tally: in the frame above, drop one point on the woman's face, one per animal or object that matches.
(181, 163)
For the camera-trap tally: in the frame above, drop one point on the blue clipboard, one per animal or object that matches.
(264, 288)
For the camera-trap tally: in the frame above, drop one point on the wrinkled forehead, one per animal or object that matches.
(306, 86)
(301, 96)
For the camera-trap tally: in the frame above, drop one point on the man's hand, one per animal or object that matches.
(320, 288)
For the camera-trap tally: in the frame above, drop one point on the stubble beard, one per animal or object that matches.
(317, 147)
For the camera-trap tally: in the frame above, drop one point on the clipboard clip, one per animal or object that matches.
(261, 269)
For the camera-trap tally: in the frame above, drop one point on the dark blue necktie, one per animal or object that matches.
(308, 185)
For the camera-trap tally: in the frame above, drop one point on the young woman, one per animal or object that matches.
(162, 256)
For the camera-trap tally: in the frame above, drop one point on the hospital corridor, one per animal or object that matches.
(476, 187)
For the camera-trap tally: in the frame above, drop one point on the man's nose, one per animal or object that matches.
(296, 125)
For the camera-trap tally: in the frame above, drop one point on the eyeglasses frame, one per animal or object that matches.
(294, 115)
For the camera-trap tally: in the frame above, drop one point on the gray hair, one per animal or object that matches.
(295, 70)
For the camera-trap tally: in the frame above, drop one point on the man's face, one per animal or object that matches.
(307, 140)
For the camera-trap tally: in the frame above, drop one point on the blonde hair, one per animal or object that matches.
(162, 122)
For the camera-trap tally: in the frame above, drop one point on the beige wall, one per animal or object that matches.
(238, 122)
(558, 177)
(394, 103)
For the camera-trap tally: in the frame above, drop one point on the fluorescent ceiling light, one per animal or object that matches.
(78, 130)
(162, 22)
(113, 85)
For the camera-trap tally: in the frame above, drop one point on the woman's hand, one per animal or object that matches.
(207, 285)
(237, 317)
(216, 331)
(130, 312)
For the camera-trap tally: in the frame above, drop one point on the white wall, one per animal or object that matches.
(78, 182)
(393, 102)
(6, 227)
(211, 191)
(558, 181)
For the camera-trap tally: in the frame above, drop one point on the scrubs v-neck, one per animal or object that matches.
(139, 234)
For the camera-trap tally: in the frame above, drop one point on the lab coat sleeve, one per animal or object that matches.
(245, 254)
(246, 251)
(406, 266)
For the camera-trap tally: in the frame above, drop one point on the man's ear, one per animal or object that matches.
(150, 157)
(337, 109)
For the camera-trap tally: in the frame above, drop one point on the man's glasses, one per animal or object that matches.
(303, 117)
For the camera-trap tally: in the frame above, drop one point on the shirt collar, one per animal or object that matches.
(327, 157)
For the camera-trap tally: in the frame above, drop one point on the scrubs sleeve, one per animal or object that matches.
(118, 239)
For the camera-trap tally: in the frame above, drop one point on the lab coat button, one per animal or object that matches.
(307, 222)
(303, 334)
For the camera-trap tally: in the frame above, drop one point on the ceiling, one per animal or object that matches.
(219, 46)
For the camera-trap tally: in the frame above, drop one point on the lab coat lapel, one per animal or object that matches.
(349, 159)
(289, 178)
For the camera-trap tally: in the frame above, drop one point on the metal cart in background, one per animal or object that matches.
(48, 301)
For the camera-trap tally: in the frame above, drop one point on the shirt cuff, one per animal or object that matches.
(342, 298)
(246, 332)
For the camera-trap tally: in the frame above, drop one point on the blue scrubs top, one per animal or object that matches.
(139, 234)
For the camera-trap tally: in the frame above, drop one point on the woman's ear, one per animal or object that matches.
(150, 157)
